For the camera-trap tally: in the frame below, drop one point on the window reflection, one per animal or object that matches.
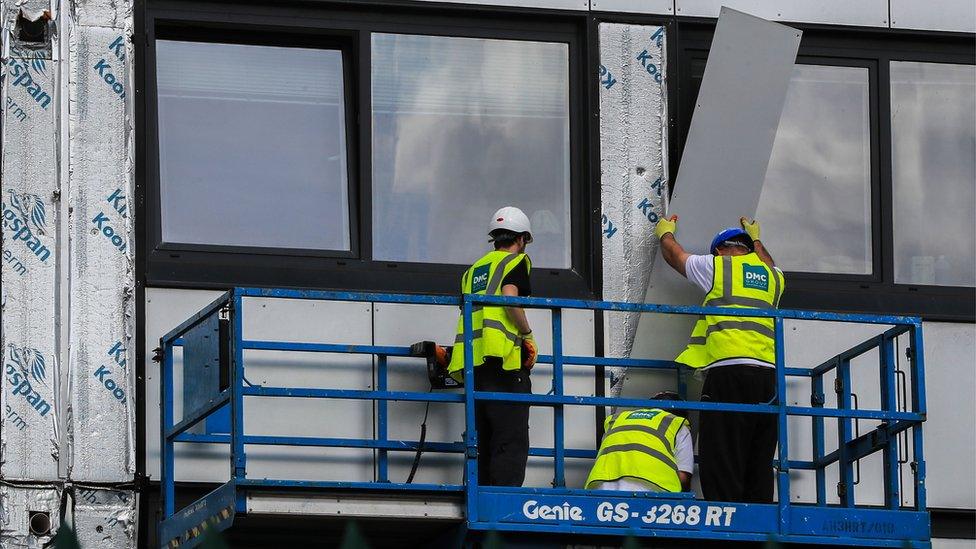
(248, 160)
(461, 127)
(933, 145)
(815, 206)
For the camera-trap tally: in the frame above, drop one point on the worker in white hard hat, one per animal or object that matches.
(503, 348)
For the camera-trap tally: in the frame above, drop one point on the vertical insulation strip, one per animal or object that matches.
(102, 271)
(633, 146)
(29, 434)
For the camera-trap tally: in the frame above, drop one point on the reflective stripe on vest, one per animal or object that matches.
(718, 337)
(493, 333)
(640, 448)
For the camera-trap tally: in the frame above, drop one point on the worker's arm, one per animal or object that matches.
(763, 254)
(516, 314)
(752, 229)
(685, 479)
(673, 253)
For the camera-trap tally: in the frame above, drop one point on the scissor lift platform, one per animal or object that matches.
(215, 336)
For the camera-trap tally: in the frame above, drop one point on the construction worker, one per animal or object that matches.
(647, 450)
(737, 354)
(503, 347)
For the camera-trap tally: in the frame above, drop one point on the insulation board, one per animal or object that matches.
(29, 431)
(17, 505)
(101, 381)
(634, 179)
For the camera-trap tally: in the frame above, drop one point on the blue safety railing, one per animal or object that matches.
(213, 353)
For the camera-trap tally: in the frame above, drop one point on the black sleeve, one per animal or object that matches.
(519, 276)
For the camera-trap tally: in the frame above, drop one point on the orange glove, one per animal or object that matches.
(442, 356)
(529, 351)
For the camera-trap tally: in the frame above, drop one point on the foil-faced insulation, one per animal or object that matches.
(633, 157)
(104, 518)
(31, 193)
(29, 516)
(101, 381)
(67, 272)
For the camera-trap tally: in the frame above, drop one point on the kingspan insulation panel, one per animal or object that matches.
(102, 13)
(29, 432)
(104, 518)
(633, 145)
(17, 505)
(101, 258)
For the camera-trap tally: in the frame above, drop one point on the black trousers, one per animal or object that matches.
(735, 450)
(503, 427)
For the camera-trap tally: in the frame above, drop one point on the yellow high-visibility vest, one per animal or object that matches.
(742, 282)
(639, 444)
(494, 334)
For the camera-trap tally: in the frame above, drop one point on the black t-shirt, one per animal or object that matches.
(519, 276)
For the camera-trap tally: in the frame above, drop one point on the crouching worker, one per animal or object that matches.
(646, 450)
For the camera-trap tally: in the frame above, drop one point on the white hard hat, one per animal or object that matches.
(511, 219)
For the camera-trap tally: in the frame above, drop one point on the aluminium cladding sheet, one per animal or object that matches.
(16, 505)
(29, 433)
(104, 519)
(101, 378)
(633, 162)
(723, 164)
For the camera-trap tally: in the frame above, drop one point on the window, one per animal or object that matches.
(318, 147)
(933, 139)
(236, 150)
(819, 176)
(461, 127)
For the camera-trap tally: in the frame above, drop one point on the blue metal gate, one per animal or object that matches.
(213, 353)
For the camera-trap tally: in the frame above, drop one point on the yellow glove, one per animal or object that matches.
(666, 225)
(751, 228)
(529, 351)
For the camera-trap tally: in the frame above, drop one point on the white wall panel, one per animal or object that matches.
(405, 324)
(634, 6)
(950, 382)
(401, 324)
(276, 320)
(30, 435)
(945, 15)
(868, 13)
(551, 4)
(165, 309)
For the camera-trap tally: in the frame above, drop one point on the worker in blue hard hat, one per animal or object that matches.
(738, 356)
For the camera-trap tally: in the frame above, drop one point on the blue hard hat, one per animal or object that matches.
(728, 234)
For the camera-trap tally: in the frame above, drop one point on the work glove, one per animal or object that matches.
(750, 227)
(442, 356)
(666, 225)
(529, 351)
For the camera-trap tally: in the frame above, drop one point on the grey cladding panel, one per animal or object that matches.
(722, 168)
(735, 122)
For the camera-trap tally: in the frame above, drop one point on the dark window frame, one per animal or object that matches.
(836, 46)
(204, 266)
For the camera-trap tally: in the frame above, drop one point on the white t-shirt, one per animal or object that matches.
(684, 454)
(700, 270)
